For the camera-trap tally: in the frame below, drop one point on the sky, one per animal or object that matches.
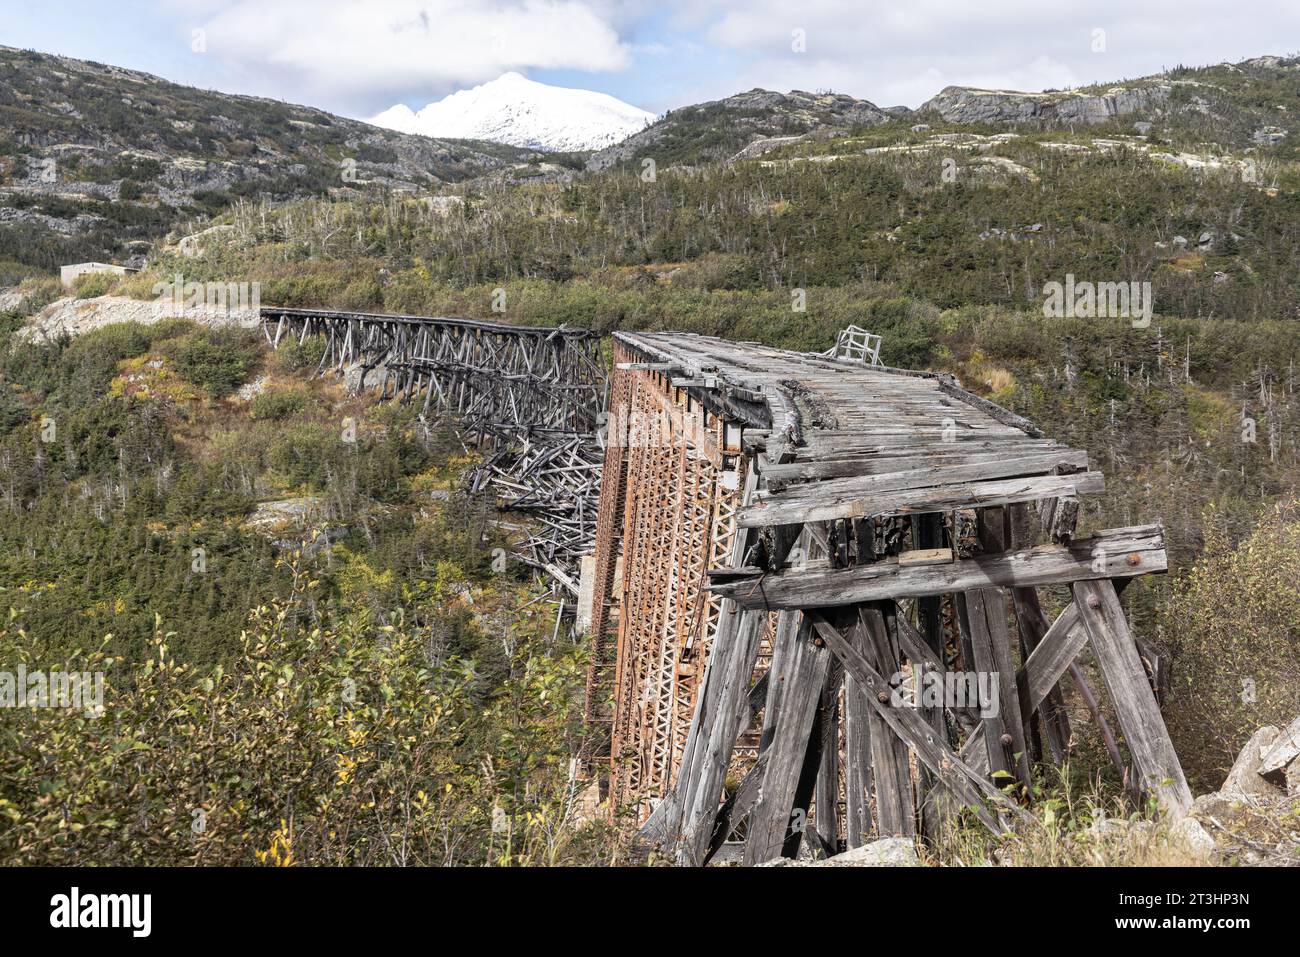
(358, 57)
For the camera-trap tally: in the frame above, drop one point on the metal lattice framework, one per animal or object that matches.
(787, 544)
(529, 396)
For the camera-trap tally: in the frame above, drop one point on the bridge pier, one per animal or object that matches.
(815, 610)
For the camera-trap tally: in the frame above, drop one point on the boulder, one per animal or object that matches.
(1243, 781)
(886, 852)
(1188, 834)
(1216, 808)
(1275, 765)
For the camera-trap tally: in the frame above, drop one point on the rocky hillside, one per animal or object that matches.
(95, 160)
(1255, 102)
(719, 129)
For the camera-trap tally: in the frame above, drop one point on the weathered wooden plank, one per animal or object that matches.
(826, 799)
(737, 807)
(891, 773)
(857, 763)
(1112, 553)
(1002, 467)
(1048, 662)
(991, 642)
(934, 499)
(1053, 725)
(1135, 705)
(893, 460)
(727, 707)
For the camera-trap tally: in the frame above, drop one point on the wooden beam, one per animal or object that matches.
(891, 771)
(931, 499)
(1004, 737)
(951, 770)
(1130, 693)
(1114, 553)
(857, 763)
(769, 824)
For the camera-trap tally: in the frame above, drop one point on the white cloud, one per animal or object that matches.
(904, 51)
(377, 49)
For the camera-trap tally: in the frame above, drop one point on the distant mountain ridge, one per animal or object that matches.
(721, 128)
(1227, 101)
(517, 111)
(97, 160)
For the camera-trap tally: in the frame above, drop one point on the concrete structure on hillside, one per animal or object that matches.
(69, 274)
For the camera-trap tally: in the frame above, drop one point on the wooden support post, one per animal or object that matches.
(857, 763)
(891, 774)
(957, 775)
(804, 675)
(1049, 725)
(827, 795)
(1130, 694)
(1004, 737)
(724, 710)
(1050, 718)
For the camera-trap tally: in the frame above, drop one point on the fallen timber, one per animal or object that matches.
(529, 397)
(773, 564)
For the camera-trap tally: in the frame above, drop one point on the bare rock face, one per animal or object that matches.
(1280, 764)
(1244, 779)
(74, 317)
(960, 104)
(743, 119)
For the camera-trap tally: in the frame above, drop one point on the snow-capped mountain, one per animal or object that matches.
(515, 110)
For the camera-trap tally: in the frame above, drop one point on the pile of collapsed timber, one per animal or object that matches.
(555, 480)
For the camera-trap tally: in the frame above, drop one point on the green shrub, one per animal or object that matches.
(217, 360)
(341, 745)
(91, 284)
(1234, 633)
(274, 406)
(295, 356)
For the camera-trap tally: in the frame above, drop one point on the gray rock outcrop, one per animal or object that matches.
(962, 104)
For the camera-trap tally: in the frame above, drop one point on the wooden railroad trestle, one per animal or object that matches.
(784, 539)
(529, 396)
(784, 545)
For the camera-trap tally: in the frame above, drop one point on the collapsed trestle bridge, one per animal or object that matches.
(757, 572)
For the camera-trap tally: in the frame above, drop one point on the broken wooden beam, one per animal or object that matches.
(1112, 553)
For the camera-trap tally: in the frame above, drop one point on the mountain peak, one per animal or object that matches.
(517, 111)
